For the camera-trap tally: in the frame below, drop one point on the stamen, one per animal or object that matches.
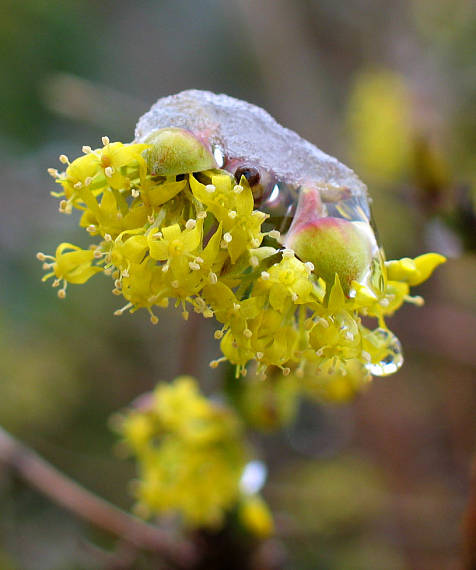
(191, 224)
(119, 312)
(238, 189)
(232, 214)
(87, 149)
(109, 171)
(64, 159)
(53, 172)
(135, 193)
(366, 356)
(309, 266)
(105, 140)
(227, 237)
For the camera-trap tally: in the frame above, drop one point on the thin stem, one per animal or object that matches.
(64, 491)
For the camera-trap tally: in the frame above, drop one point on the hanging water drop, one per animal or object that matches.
(392, 359)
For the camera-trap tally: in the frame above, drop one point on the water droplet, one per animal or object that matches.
(393, 358)
(253, 477)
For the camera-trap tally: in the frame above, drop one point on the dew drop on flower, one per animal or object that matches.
(393, 358)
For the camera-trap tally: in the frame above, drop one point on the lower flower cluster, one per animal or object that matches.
(191, 459)
(197, 240)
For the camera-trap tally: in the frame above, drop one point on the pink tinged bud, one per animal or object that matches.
(332, 245)
(177, 151)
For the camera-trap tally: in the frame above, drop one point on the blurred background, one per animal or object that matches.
(389, 88)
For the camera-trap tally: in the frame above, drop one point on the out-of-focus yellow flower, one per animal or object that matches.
(379, 125)
(189, 454)
(255, 516)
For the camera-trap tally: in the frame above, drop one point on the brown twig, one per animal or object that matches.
(64, 491)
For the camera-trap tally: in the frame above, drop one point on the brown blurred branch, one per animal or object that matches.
(64, 491)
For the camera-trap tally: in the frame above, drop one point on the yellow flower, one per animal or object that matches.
(189, 454)
(256, 517)
(197, 239)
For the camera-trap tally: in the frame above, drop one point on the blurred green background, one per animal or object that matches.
(389, 88)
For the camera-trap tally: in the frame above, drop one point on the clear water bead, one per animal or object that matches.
(393, 358)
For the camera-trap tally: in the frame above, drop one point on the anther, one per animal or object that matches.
(91, 228)
(201, 215)
(238, 188)
(264, 275)
(259, 355)
(61, 293)
(236, 306)
(247, 333)
(227, 237)
(40, 256)
(64, 159)
(309, 266)
(194, 266)
(77, 185)
(286, 371)
(218, 334)
(274, 234)
(366, 356)
(105, 140)
(210, 188)
(288, 253)
(109, 171)
(232, 214)
(135, 193)
(254, 261)
(53, 172)
(323, 322)
(213, 278)
(208, 313)
(154, 319)
(107, 237)
(87, 149)
(88, 180)
(191, 224)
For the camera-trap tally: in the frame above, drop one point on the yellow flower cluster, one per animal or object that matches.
(190, 458)
(197, 239)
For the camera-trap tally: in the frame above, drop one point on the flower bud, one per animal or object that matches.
(176, 151)
(332, 245)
